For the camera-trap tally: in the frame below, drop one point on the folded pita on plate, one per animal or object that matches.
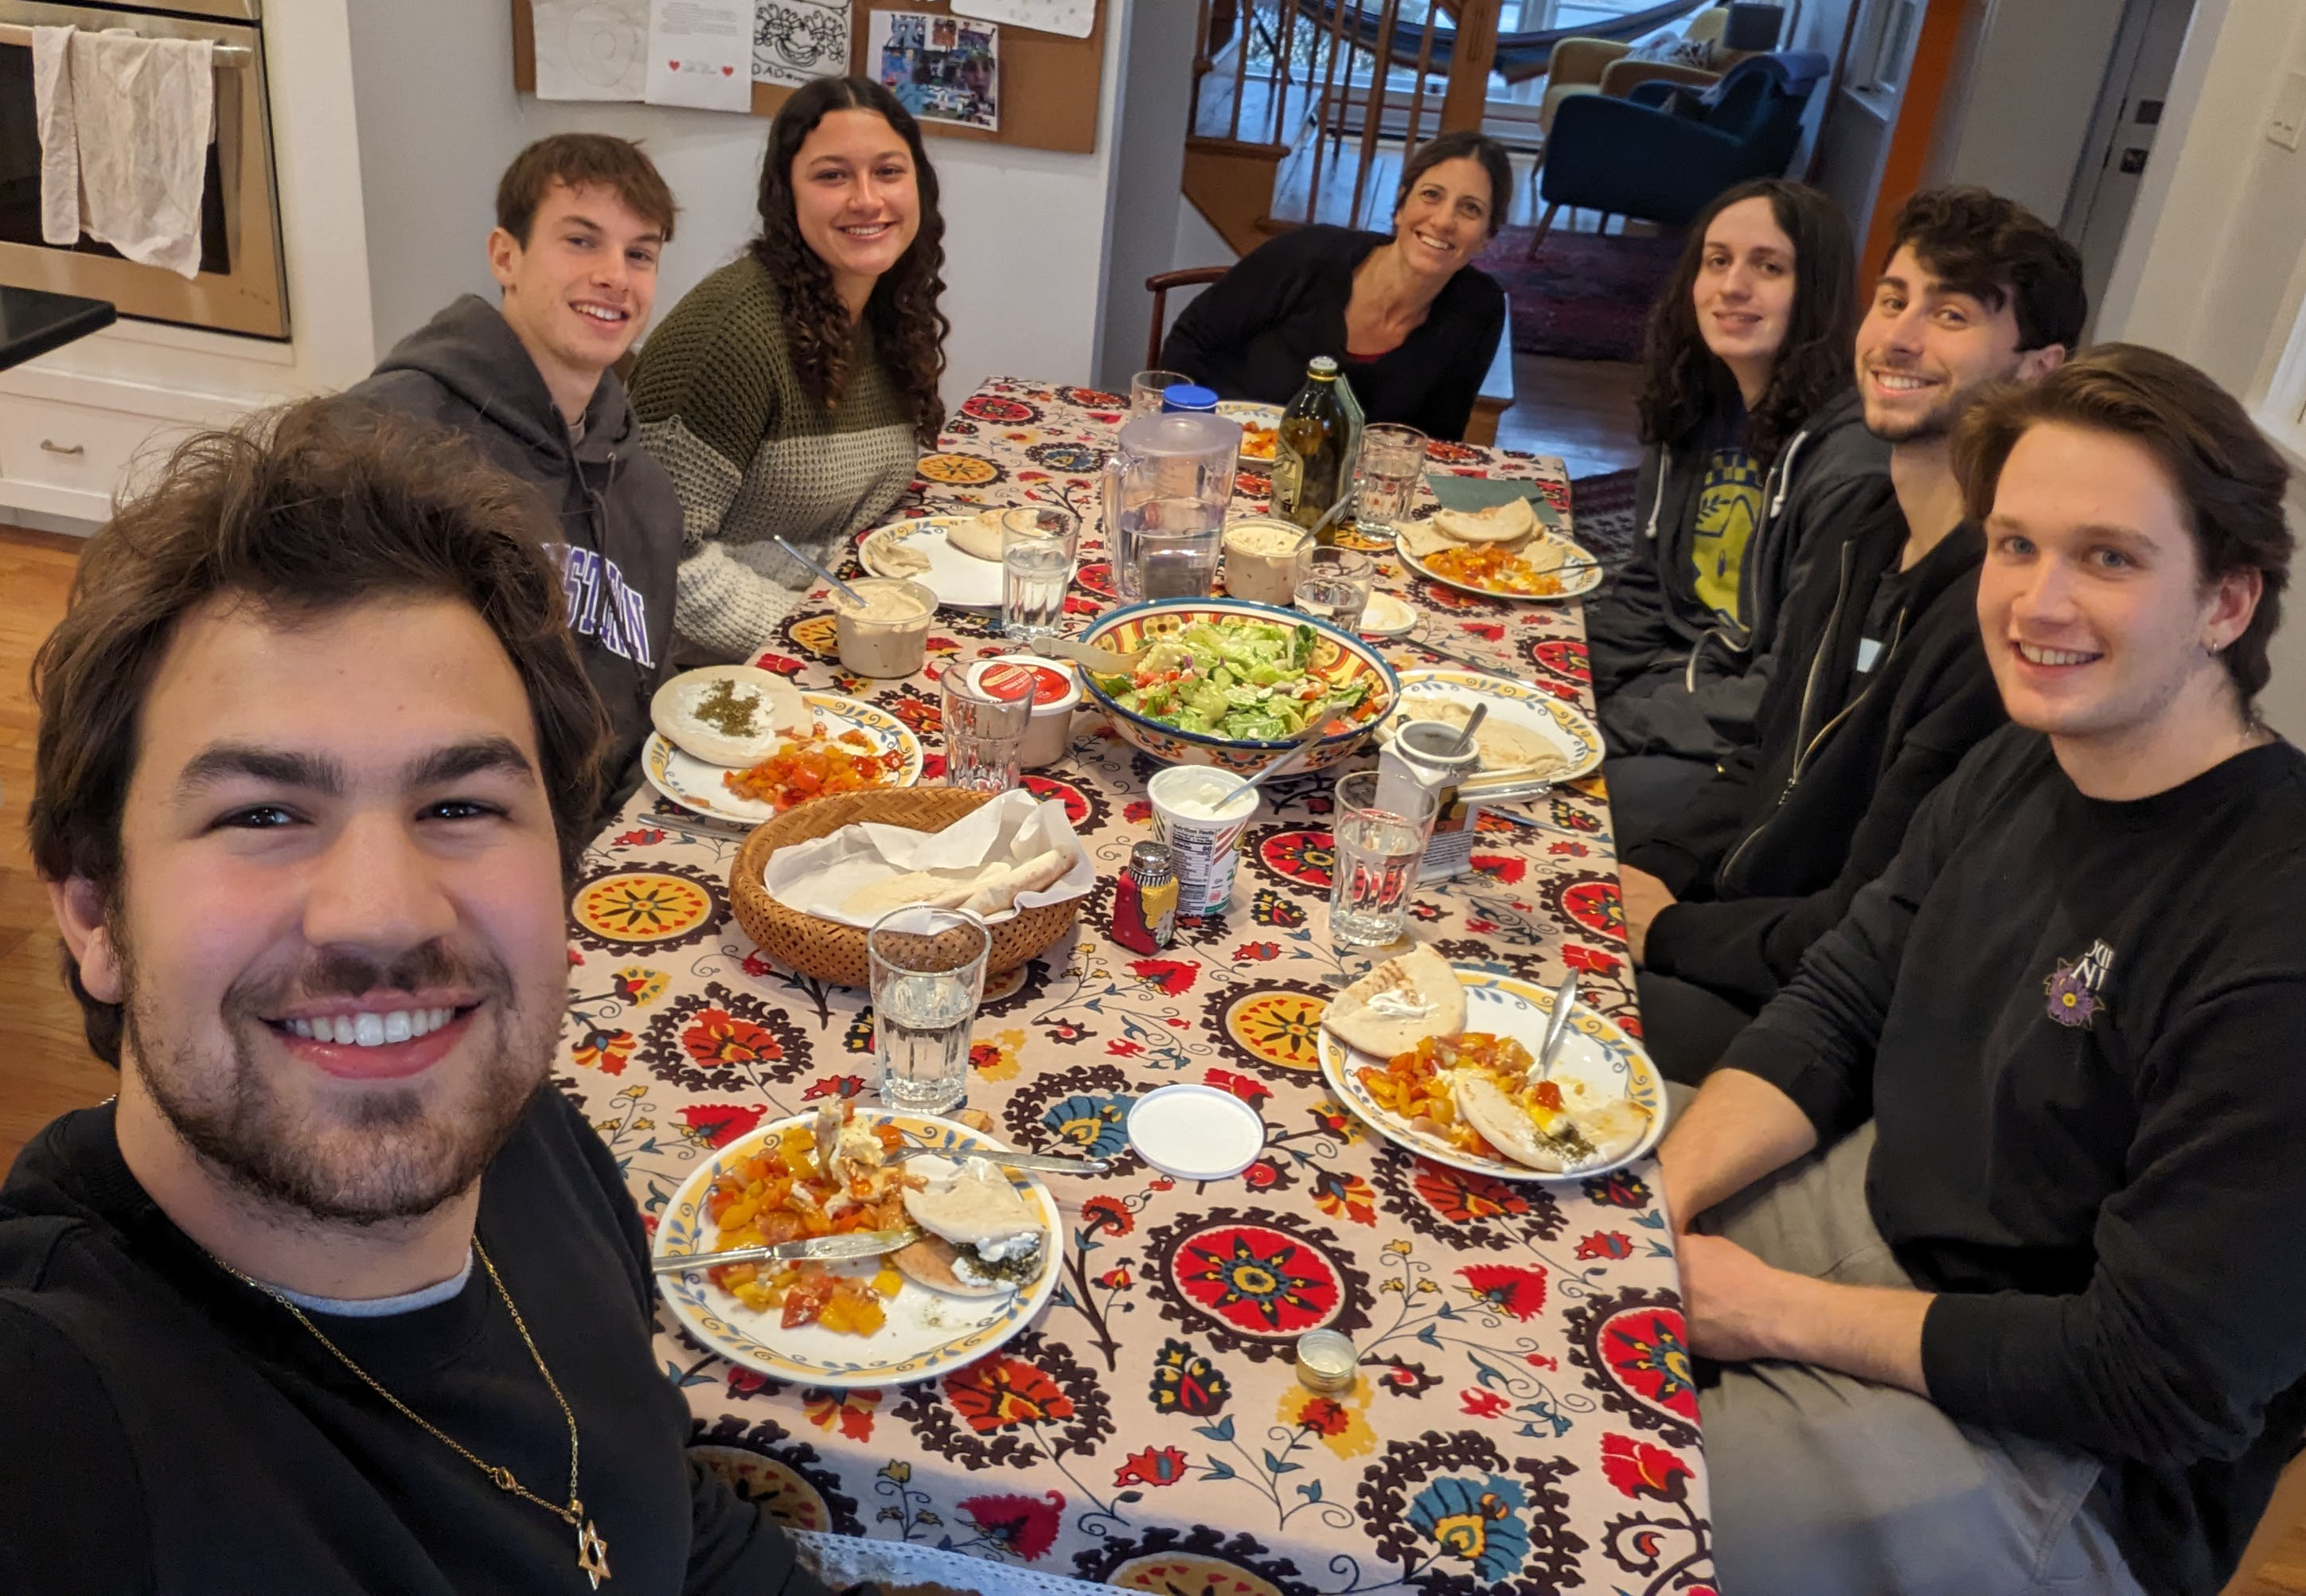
(1398, 1005)
(731, 715)
(978, 537)
(886, 554)
(1577, 1136)
(1507, 523)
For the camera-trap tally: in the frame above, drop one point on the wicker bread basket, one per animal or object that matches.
(835, 953)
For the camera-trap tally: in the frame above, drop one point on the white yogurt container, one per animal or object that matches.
(1194, 813)
(1056, 691)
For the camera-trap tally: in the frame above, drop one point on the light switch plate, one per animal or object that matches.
(2289, 118)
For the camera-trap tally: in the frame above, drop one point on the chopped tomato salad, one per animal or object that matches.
(817, 765)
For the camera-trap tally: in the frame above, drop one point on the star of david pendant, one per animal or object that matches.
(591, 1554)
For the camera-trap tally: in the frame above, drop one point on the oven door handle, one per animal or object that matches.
(232, 57)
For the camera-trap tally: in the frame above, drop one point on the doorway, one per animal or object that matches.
(2120, 138)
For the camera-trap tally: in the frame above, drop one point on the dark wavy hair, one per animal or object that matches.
(1686, 385)
(1998, 252)
(1462, 145)
(2228, 478)
(907, 327)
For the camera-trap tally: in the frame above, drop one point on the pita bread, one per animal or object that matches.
(929, 1262)
(978, 537)
(1398, 1005)
(1502, 745)
(885, 554)
(1507, 523)
(731, 715)
(1577, 1137)
(1422, 539)
(1001, 891)
(927, 889)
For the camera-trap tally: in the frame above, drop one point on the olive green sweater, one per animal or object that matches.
(754, 458)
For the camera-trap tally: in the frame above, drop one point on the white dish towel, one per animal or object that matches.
(139, 113)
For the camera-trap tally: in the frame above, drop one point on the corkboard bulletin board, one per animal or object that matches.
(1049, 83)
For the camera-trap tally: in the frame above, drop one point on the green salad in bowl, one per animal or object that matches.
(1240, 679)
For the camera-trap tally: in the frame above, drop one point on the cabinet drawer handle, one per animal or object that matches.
(52, 446)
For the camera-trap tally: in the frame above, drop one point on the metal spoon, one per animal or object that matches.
(842, 588)
(1565, 1000)
(1473, 723)
(1306, 739)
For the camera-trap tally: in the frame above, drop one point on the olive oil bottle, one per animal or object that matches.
(1311, 468)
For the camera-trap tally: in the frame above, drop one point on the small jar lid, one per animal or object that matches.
(1196, 1132)
(1152, 862)
(1326, 1360)
(1188, 396)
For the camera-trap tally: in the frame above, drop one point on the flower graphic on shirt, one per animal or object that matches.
(2077, 988)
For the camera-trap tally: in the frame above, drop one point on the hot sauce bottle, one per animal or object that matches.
(1145, 899)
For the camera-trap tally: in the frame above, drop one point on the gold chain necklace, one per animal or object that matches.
(592, 1550)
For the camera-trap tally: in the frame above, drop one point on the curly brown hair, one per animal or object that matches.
(1686, 386)
(305, 511)
(907, 327)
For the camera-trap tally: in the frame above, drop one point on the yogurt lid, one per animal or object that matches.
(1196, 1132)
(1008, 681)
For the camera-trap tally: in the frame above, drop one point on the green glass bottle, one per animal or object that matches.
(1311, 467)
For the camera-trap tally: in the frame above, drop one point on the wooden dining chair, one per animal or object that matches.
(1158, 285)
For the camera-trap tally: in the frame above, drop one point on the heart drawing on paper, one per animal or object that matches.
(727, 71)
(672, 65)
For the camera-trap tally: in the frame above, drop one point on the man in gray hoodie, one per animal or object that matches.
(581, 219)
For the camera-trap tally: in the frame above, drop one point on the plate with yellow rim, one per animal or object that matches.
(926, 1332)
(1585, 575)
(698, 788)
(1595, 1052)
(1561, 727)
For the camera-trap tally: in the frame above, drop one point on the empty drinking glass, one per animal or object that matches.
(1037, 565)
(1335, 588)
(929, 976)
(1378, 851)
(1392, 463)
(1145, 388)
(983, 735)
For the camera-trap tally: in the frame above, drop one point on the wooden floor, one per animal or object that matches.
(44, 1066)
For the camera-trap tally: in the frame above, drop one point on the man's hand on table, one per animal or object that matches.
(1642, 895)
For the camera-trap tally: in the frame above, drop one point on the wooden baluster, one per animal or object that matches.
(1470, 59)
(1201, 64)
(1373, 106)
(1416, 134)
(1244, 14)
(1322, 107)
(1286, 50)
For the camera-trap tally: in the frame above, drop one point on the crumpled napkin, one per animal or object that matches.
(820, 876)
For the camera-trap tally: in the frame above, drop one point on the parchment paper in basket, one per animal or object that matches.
(819, 876)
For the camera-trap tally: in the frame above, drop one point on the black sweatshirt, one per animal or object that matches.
(167, 1428)
(1766, 859)
(2077, 1025)
(1250, 333)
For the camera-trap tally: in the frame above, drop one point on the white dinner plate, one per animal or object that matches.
(961, 581)
(1595, 1052)
(1581, 581)
(1563, 725)
(926, 1333)
(697, 787)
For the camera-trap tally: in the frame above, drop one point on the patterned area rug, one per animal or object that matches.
(1602, 513)
(1586, 296)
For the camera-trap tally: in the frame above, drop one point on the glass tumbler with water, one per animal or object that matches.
(929, 976)
(1392, 463)
(1167, 487)
(1037, 565)
(984, 734)
(1336, 586)
(1378, 849)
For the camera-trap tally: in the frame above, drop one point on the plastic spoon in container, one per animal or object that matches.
(839, 587)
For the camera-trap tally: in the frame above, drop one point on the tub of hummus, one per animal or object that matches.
(1055, 690)
(889, 634)
(1265, 559)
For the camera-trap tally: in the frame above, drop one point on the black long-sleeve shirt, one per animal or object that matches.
(2077, 1025)
(1250, 333)
(166, 1427)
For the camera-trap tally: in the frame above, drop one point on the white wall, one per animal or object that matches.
(2209, 269)
(2022, 96)
(1026, 230)
(1148, 168)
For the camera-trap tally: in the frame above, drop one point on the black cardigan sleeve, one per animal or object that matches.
(1477, 312)
(1211, 338)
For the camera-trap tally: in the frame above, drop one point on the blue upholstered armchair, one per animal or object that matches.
(1662, 153)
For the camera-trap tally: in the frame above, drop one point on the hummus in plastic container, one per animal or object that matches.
(1265, 559)
(1056, 689)
(889, 634)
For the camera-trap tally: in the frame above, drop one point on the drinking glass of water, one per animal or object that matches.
(928, 976)
(1037, 565)
(1145, 388)
(1335, 588)
(1392, 463)
(1377, 852)
(984, 734)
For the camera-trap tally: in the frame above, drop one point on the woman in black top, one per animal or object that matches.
(1406, 318)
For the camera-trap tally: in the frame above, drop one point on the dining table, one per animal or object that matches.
(1524, 1418)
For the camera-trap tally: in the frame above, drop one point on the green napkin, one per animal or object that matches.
(1470, 493)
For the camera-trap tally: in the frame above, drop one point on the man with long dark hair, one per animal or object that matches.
(1881, 686)
(1755, 455)
(581, 220)
(1991, 1218)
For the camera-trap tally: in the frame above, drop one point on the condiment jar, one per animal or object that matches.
(1265, 559)
(890, 637)
(1056, 691)
(1145, 899)
(1326, 1362)
(1424, 754)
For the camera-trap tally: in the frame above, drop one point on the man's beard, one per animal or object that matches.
(390, 1153)
(1936, 422)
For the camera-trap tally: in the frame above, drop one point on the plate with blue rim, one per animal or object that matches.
(926, 1332)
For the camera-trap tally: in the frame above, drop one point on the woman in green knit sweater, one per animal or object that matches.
(789, 393)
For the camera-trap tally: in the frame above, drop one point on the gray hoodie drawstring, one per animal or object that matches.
(1657, 501)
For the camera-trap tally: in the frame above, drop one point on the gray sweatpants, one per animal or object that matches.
(1827, 1485)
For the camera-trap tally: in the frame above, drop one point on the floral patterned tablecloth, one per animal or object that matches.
(1525, 1421)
